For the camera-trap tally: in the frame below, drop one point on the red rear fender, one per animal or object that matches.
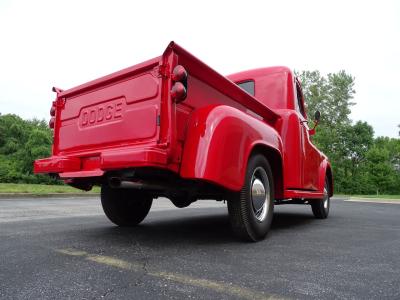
(219, 142)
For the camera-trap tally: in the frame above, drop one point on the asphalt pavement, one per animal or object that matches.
(66, 248)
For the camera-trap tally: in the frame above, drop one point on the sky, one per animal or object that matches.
(66, 43)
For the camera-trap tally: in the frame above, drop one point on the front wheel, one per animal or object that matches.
(125, 207)
(251, 210)
(320, 208)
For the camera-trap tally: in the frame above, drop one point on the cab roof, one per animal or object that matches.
(255, 73)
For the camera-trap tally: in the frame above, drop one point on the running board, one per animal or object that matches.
(290, 194)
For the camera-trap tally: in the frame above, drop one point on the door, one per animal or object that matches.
(310, 155)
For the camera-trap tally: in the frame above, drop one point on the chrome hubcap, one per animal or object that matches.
(260, 192)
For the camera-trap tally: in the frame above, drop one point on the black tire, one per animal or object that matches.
(251, 216)
(320, 207)
(125, 207)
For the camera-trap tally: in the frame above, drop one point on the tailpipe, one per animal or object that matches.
(117, 183)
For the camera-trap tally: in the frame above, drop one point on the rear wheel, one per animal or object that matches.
(125, 207)
(251, 209)
(320, 208)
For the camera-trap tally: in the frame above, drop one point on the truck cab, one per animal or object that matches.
(279, 89)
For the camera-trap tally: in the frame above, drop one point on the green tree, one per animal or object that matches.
(357, 139)
(379, 172)
(332, 95)
(21, 142)
(391, 148)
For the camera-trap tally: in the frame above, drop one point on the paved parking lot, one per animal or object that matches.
(66, 248)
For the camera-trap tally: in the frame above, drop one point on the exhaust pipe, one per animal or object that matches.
(117, 183)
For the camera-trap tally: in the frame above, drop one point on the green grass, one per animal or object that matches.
(397, 197)
(41, 189)
(377, 197)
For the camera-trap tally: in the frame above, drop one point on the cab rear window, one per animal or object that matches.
(248, 86)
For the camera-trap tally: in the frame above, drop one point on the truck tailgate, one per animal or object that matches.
(117, 110)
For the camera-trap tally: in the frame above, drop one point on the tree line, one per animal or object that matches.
(361, 163)
(21, 142)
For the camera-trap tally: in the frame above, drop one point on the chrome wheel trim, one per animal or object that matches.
(260, 194)
(326, 198)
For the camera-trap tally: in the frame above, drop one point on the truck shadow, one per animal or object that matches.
(203, 229)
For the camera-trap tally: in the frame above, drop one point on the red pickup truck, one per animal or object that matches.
(174, 127)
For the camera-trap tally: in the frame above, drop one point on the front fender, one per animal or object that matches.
(218, 143)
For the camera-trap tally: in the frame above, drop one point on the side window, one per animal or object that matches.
(248, 86)
(299, 104)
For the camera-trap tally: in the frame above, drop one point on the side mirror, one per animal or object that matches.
(317, 117)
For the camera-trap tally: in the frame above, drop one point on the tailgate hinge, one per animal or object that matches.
(163, 71)
(60, 103)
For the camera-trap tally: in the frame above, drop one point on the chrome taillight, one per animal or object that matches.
(52, 122)
(178, 92)
(53, 114)
(54, 106)
(179, 89)
(179, 74)
(53, 111)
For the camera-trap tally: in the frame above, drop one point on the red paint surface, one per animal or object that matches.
(128, 119)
